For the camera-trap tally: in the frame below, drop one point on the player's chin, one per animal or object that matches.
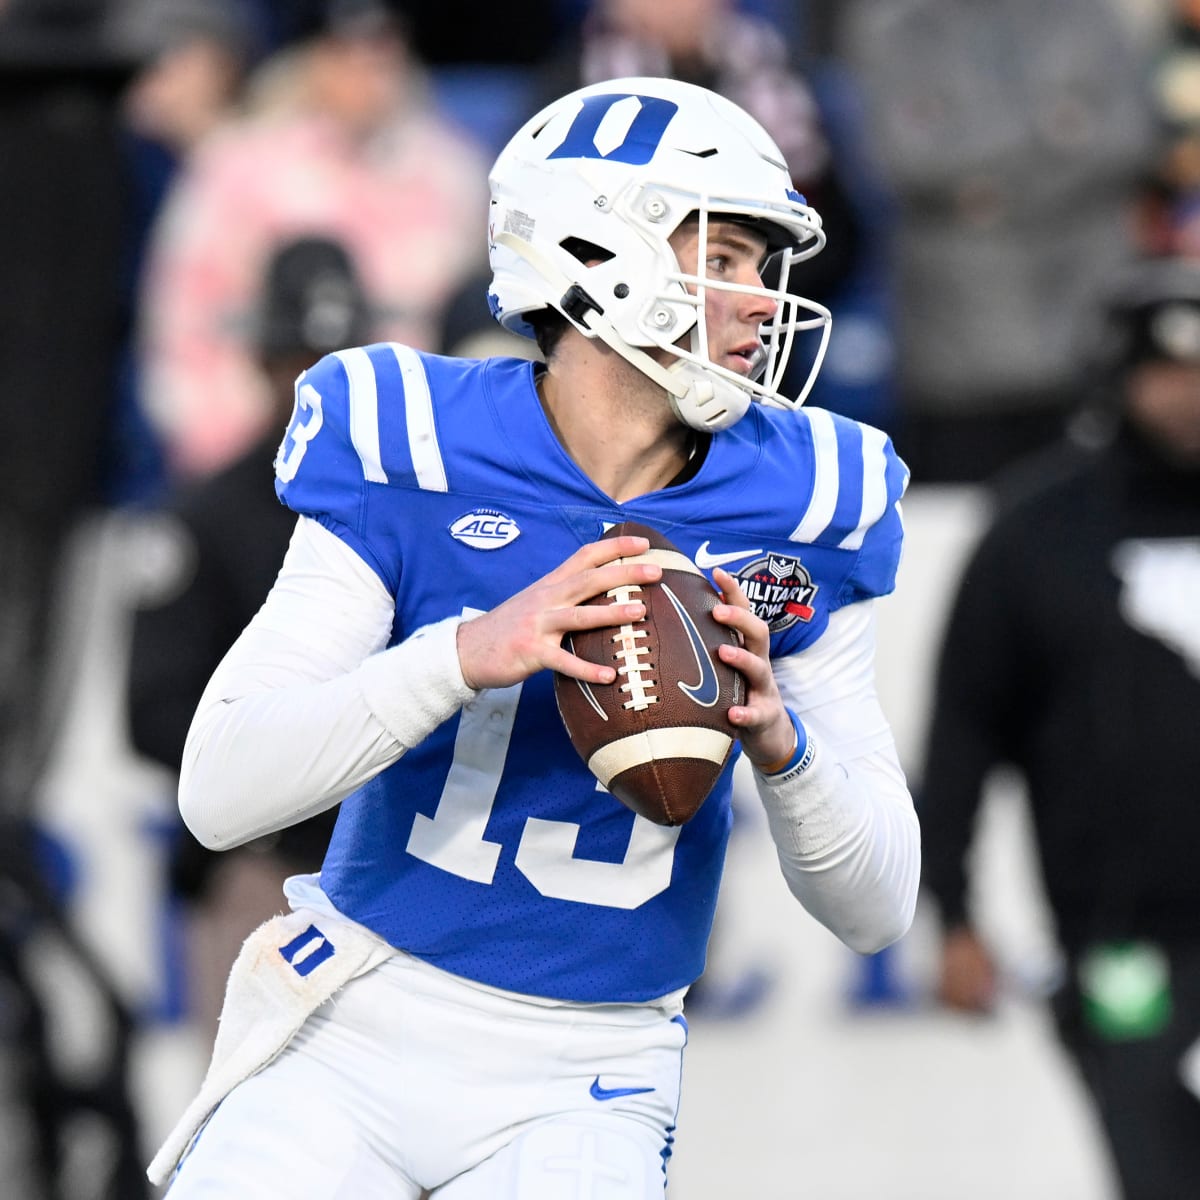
(740, 364)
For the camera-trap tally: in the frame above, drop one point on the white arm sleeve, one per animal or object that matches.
(307, 705)
(845, 829)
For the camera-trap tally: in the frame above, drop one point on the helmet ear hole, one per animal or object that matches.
(586, 252)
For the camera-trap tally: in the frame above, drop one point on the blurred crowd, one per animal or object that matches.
(199, 198)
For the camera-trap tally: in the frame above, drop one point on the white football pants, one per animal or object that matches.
(411, 1079)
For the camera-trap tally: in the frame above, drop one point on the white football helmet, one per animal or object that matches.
(609, 172)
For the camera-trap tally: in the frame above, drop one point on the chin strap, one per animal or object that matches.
(698, 401)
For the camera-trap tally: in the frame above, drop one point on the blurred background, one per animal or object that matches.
(198, 198)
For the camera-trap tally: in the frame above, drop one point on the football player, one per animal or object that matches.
(1098, 546)
(481, 993)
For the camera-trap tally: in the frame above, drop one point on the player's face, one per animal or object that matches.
(734, 254)
(1164, 402)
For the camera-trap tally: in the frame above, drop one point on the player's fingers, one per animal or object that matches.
(730, 589)
(596, 554)
(597, 581)
(755, 635)
(755, 669)
(594, 616)
(566, 662)
(749, 716)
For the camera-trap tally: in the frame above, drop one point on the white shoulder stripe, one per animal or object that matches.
(364, 412)
(418, 413)
(874, 489)
(823, 501)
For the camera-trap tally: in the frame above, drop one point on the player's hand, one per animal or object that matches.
(524, 635)
(967, 979)
(766, 730)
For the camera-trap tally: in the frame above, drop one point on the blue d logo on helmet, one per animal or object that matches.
(640, 142)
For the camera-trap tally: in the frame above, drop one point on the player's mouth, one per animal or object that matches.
(746, 359)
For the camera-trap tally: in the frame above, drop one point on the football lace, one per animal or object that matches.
(639, 682)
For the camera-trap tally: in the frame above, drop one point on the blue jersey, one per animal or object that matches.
(489, 850)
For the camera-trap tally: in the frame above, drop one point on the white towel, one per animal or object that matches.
(286, 969)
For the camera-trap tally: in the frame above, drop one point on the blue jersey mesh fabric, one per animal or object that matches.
(489, 850)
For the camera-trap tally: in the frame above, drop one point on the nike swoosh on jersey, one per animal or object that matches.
(603, 1093)
(706, 561)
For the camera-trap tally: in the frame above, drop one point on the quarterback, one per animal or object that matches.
(481, 995)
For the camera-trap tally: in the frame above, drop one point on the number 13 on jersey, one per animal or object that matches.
(453, 838)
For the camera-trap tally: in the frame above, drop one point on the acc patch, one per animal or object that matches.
(485, 529)
(780, 590)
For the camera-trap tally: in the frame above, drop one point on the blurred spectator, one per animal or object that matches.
(196, 56)
(1176, 92)
(1171, 205)
(192, 57)
(340, 138)
(1014, 137)
(229, 534)
(1073, 653)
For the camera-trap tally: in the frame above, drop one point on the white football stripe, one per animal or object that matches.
(681, 742)
(364, 412)
(418, 415)
(669, 560)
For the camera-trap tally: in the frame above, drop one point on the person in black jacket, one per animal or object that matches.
(229, 534)
(1073, 653)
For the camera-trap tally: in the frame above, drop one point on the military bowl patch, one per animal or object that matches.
(780, 590)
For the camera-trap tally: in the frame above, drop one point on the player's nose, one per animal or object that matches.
(758, 305)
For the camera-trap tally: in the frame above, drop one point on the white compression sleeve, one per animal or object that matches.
(845, 829)
(307, 705)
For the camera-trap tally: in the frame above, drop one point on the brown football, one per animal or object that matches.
(657, 737)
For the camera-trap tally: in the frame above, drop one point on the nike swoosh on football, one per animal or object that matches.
(603, 1093)
(707, 690)
(705, 560)
(585, 687)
